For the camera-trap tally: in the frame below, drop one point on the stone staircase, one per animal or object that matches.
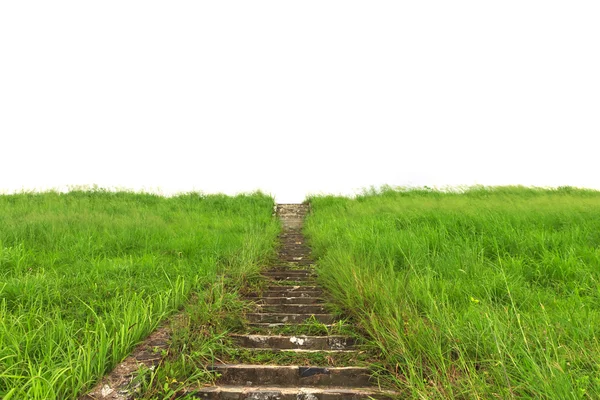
(291, 299)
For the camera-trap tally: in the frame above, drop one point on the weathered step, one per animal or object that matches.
(299, 263)
(284, 268)
(289, 272)
(292, 294)
(289, 300)
(289, 393)
(328, 353)
(278, 325)
(294, 251)
(287, 294)
(289, 235)
(333, 342)
(284, 276)
(254, 375)
(293, 242)
(291, 288)
(293, 282)
(292, 308)
(292, 256)
(296, 254)
(289, 318)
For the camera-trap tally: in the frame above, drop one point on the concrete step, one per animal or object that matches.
(291, 247)
(297, 250)
(291, 235)
(259, 375)
(291, 308)
(289, 300)
(289, 272)
(297, 262)
(289, 318)
(284, 276)
(283, 268)
(295, 241)
(267, 325)
(292, 288)
(292, 256)
(285, 293)
(294, 342)
(289, 393)
(329, 353)
(294, 244)
(292, 282)
(292, 293)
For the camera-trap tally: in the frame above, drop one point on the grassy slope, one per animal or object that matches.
(86, 275)
(492, 293)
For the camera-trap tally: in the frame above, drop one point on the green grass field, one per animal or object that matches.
(488, 293)
(86, 275)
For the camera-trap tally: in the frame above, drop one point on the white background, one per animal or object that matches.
(298, 97)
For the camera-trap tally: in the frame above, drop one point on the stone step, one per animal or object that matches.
(295, 250)
(303, 294)
(289, 300)
(292, 240)
(289, 272)
(329, 353)
(267, 325)
(259, 375)
(292, 282)
(293, 292)
(284, 276)
(291, 234)
(294, 244)
(292, 255)
(289, 318)
(297, 261)
(289, 393)
(291, 308)
(286, 293)
(292, 288)
(282, 268)
(333, 342)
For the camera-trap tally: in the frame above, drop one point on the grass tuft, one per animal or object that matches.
(473, 293)
(86, 275)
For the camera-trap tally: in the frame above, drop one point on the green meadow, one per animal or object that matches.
(479, 293)
(483, 293)
(84, 276)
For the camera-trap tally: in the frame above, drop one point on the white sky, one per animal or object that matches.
(298, 97)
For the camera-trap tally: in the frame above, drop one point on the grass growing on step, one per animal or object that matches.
(86, 275)
(234, 355)
(490, 293)
(198, 338)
